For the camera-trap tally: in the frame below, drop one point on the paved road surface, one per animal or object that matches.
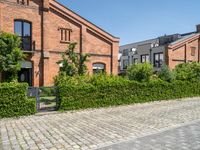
(186, 137)
(95, 129)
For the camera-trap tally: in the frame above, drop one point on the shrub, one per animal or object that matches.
(47, 91)
(10, 55)
(188, 71)
(166, 74)
(102, 91)
(14, 101)
(140, 72)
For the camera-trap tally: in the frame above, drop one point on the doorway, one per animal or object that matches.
(25, 75)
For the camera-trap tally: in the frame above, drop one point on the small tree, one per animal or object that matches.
(187, 71)
(73, 63)
(10, 55)
(166, 74)
(140, 72)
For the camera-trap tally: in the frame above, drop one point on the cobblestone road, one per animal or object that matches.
(92, 129)
(186, 137)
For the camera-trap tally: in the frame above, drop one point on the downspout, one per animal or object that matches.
(199, 50)
(166, 59)
(185, 51)
(111, 60)
(42, 46)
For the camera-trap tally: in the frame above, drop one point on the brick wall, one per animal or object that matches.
(90, 39)
(182, 51)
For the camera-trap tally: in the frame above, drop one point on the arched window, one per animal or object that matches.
(24, 30)
(98, 68)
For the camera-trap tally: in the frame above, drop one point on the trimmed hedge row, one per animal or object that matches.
(81, 96)
(14, 101)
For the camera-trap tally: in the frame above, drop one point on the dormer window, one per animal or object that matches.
(23, 2)
(65, 35)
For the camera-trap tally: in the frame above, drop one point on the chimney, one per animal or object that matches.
(198, 28)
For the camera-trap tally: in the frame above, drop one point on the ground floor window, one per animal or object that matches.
(125, 64)
(135, 60)
(144, 58)
(158, 59)
(98, 68)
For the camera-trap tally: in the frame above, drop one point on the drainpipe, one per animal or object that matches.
(185, 53)
(199, 50)
(42, 46)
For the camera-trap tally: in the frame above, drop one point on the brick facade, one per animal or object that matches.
(187, 50)
(47, 20)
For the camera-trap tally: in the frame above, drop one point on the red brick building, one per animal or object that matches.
(183, 50)
(46, 28)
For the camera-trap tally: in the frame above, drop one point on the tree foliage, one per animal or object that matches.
(166, 74)
(187, 71)
(73, 63)
(10, 55)
(140, 72)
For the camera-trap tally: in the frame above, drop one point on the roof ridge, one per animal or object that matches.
(86, 20)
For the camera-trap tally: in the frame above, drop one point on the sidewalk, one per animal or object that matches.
(92, 129)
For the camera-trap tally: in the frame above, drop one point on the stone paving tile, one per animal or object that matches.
(91, 129)
(186, 137)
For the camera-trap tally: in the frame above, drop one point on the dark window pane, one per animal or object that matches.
(23, 29)
(158, 59)
(26, 43)
(27, 29)
(66, 35)
(18, 28)
(62, 35)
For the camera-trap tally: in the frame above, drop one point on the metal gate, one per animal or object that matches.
(46, 98)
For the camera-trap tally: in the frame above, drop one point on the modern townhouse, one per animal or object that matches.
(169, 49)
(46, 28)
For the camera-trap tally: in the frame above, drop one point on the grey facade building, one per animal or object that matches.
(152, 51)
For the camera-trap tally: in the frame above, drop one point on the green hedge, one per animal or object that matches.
(14, 101)
(110, 92)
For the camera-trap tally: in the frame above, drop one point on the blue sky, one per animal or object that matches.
(136, 20)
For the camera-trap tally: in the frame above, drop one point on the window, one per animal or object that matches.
(23, 2)
(125, 64)
(65, 35)
(125, 52)
(158, 59)
(135, 60)
(24, 30)
(98, 68)
(144, 58)
(193, 51)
